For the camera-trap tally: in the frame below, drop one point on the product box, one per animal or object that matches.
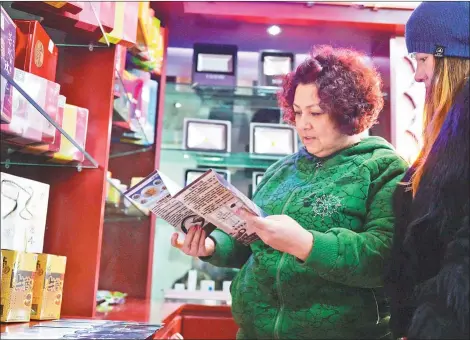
(119, 67)
(75, 123)
(55, 145)
(273, 65)
(7, 63)
(207, 135)
(69, 6)
(107, 14)
(48, 287)
(52, 109)
(87, 18)
(215, 65)
(147, 106)
(125, 24)
(27, 124)
(153, 37)
(35, 51)
(18, 270)
(84, 23)
(130, 114)
(272, 139)
(144, 23)
(24, 205)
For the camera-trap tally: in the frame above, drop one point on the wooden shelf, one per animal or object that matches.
(192, 321)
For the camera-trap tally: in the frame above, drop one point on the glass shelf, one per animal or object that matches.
(14, 151)
(239, 105)
(258, 96)
(243, 160)
(128, 152)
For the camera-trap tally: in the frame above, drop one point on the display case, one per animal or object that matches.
(80, 225)
(133, 154)
(238, 107)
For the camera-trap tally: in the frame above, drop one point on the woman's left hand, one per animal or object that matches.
(280, 232)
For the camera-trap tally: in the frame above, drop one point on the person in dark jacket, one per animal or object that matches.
(427, 278)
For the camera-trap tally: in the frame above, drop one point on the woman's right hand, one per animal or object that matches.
(196, 243)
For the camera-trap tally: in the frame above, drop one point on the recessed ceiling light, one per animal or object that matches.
(274, 30)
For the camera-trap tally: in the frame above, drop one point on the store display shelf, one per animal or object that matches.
(267, 95)
(222, 296)
(130, 152)
(251, 91)
(31, 160)
(214, 159)
(14, 153)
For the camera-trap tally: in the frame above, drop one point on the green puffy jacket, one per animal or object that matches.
(345, 201)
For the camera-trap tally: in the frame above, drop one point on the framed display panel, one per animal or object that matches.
(207, 135)
(214, 64)
(272, 139)
(257, 176)
(407, 102)
(192, 174)
(273, 65)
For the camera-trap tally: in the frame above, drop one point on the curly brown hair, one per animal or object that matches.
(349, 90)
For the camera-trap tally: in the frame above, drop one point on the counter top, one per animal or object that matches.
(134, 310)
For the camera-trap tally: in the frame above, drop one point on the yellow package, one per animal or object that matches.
(115, 36)
(75, 123)
(56, 4)
(48, 287)
(144, 23)
(153, 38)
(1, 272)
(69, 124)
(18, 270)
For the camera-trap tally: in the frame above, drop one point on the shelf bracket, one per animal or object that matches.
(90, 46)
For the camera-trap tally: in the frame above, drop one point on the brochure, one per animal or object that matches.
(210, 201)
(84, 329)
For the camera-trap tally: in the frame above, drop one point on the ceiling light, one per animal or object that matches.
(274, 30)
(178, 105)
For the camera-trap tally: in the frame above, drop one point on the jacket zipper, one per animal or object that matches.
(281, 299)
(278, 278)
(281, 262)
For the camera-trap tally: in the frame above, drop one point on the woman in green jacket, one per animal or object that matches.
(316, 272)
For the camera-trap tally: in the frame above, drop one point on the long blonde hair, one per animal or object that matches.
(450, 75)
